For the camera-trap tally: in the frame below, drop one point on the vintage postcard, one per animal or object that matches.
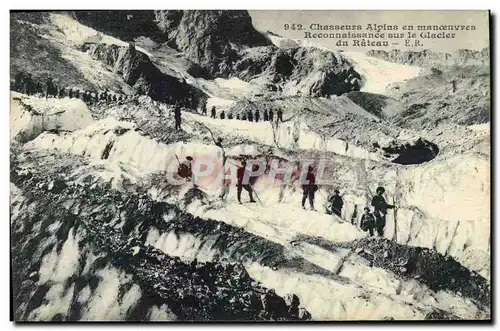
(260, 165)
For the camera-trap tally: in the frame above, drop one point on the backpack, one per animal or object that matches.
(366, 222)
(183, 171)
(364, 225)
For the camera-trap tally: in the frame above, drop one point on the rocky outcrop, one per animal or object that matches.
(210, 38)
(225, 43)
(456, 95)
(427, 58)
(139, 72)
(303, 71)
(436, 270)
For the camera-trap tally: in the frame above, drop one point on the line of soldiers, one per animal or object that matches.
(25, 83)
(246, 116)
(369, 221)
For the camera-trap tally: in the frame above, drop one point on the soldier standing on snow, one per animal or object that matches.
(280, 116)
(18, 81)
(367, 221)
(177, 117)
(266, 117)
(38, 89)
(250, 116)
(336, 204)
(28, 85)
(380, 210)
(257, 115)
(50, 88)
(225, 182)
(271, 115)
(240, 174)
(222, 115)
(212, 112)
(309, 189)
(60, 92)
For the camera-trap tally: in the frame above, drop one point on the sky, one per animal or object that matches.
(276, 20)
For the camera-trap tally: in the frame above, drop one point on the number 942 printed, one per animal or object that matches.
(293, 26)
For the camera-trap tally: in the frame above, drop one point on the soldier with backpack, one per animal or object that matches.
(380, 207)
(185, 169)
(336, 204)
(61, 93)
(368, 221)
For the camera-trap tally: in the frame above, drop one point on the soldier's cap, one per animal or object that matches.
(336, 191)
(380, 189)
(189, 158)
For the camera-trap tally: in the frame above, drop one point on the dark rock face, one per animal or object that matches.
(210, 38)
(225, 44)
(306, 71)
(139, 72)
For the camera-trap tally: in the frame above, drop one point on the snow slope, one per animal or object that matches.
(443, 205)
(428, 201)
(347, 288)
(378, 74)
